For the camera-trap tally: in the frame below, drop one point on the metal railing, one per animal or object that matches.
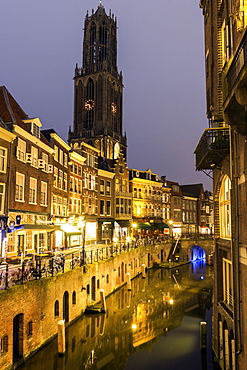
(212, 147)
(11, 275)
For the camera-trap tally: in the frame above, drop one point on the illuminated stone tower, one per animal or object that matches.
(98, 89)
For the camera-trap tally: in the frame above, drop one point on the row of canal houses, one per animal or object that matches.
(54, 195)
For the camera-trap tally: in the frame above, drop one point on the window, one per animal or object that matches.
(225, 209)
(55, 181)
(45, 159)
(33, 191)
(19, 187)
(65, 179)
(64, 207)
(92, 182)
(86, 180)
(90, 160)
(60, 179)
(2, 197)
(54, 205)
(35, 130)
(102, 187)
(60, 156)
(227, 282)
(30, 328)
(21, 150)
(43, 194)
(4, 344)
(80, 186)
(56, 308)
(74, 297)
(102, 207)
(35, 155)
(56, 153)
(108, 207)
(3, 159)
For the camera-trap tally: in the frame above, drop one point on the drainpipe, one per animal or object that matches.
(235, 239)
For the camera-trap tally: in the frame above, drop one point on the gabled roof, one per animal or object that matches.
(12, 113)
(193, 190)
(10, 110)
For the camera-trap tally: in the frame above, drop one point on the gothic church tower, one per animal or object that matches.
(98, 89)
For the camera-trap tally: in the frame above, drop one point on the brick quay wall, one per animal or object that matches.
(30, 312)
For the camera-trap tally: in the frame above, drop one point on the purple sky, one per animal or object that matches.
(161, 55)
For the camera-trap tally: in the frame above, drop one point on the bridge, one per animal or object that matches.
(191, 249)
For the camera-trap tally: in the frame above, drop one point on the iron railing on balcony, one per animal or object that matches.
(212, 148)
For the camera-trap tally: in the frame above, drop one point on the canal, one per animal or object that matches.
(155, 325)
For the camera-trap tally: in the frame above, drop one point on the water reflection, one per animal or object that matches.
(154, 323)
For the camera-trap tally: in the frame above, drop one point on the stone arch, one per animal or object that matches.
(66, 306)
(197, 253)
(18, 337)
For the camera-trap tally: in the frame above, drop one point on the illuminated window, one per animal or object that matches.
(56, 153)
(225, 208)
(102, 187)
(35, 155)
(19, 187)
(21, 150)
(2, 197)
(3, 159)
(227, 282)
(43, 193)
(33, 191)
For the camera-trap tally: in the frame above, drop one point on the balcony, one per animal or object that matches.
(212, 148)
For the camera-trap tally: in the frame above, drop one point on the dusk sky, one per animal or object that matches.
(161, 56)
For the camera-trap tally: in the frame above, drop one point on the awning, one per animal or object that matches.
(33, 227)
(123, 223)
(70, 229)
(106, 219)
(160, 225)
(143, 225)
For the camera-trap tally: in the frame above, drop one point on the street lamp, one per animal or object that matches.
(82, 225)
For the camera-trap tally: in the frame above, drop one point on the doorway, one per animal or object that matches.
(18, 338)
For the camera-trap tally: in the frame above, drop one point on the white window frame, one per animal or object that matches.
(21, 150)
(32, 190)
(20, 187)
(2, 197)
(35, 156)
(43, 193)
(3, 159)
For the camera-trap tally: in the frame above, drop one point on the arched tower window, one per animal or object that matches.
(100, 98)
(89, 104)
(225, 208)
(78, 100)
(93, 43)
(102, 43)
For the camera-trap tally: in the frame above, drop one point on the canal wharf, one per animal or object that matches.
(30, 312)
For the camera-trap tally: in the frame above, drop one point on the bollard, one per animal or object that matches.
(143, 271)
(203, 335)
(102, 325)
(61, 337)
(102, 298)
(128, 281)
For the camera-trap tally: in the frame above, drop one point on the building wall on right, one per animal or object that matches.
(222, 153)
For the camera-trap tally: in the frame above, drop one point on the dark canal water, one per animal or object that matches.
(156, 325)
